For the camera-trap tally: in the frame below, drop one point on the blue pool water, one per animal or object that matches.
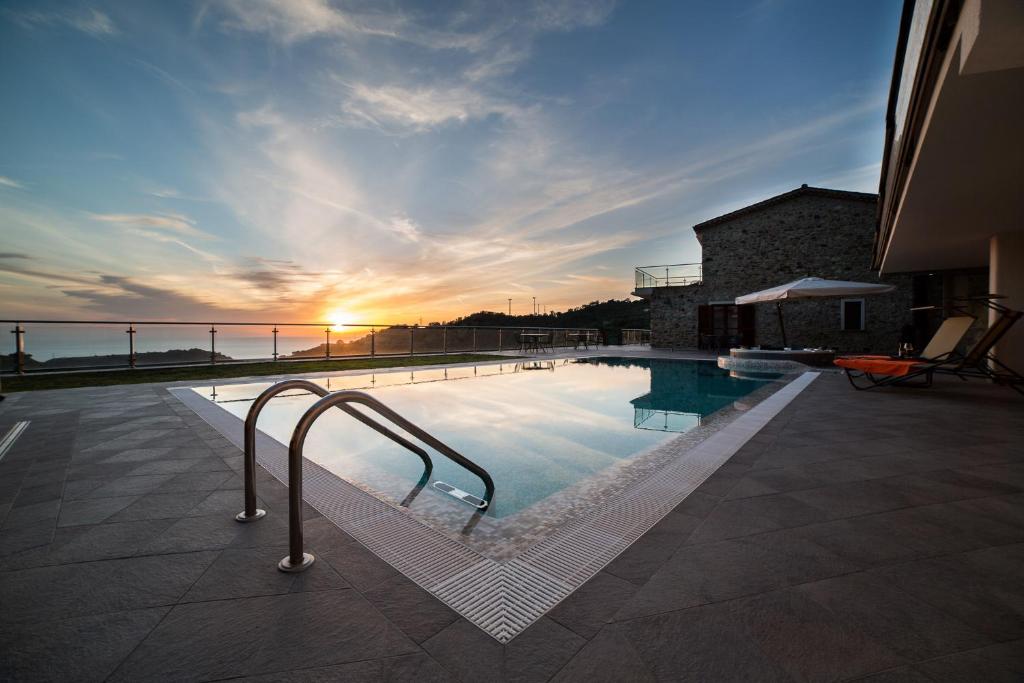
(537, 427)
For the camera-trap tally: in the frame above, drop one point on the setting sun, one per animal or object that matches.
(338, 319)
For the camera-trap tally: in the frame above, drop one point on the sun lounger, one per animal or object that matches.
(939, 356)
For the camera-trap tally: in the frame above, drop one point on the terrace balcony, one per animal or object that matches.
(674, 275)
(854, 534)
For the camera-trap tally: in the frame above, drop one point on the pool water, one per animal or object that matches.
(537, 427)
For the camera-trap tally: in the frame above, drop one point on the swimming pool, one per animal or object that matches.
(542, 429)
(587, 454)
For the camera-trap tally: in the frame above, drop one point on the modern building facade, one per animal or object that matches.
(808, 232)
(952, 185)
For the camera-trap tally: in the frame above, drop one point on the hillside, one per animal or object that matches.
(608, 316)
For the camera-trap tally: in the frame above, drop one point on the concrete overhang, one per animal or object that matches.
(965, 181)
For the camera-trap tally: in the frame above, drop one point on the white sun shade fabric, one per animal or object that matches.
(813, 286)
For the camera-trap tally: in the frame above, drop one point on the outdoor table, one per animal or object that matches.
(534, 341)
(585, 338)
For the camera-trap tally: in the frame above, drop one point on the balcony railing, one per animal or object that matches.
(635, 336)
(675, 275)
(66, 345)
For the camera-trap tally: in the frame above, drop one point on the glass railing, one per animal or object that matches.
(59, 345)
(675, 275)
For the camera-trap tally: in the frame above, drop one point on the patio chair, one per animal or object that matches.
(940, 356)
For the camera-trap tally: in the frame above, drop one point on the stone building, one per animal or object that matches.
(808, 232)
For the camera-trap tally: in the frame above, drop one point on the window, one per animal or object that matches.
(851, 315)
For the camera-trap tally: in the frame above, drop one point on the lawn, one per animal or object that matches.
(199, 373)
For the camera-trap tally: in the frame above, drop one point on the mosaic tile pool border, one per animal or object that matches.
(504, 598)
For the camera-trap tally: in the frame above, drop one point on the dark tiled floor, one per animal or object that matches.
(874, 536)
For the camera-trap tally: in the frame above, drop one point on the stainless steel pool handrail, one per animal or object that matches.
(251, 513)
(297, 560)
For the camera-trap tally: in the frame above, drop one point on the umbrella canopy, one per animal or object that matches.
(813, 286)
(810, 287)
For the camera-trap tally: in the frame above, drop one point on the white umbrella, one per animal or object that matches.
(809, 287)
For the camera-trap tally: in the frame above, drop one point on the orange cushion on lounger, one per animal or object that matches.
(878, 366)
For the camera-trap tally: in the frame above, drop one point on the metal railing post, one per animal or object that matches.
(251, 513)
(213, 345)
(19, 348)
(412, 341)
(131, 345)
(327, 348)
(373, 342)
(499, 339)
(275, 341)
(444, 340)
(298, 560)
(474, 340)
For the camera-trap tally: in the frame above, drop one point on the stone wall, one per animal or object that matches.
(802, 236)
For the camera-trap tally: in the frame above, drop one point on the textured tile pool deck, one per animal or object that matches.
(856, 535)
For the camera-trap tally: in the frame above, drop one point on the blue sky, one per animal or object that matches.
(306, 159)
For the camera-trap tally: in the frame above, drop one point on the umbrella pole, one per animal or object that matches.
(782, 325)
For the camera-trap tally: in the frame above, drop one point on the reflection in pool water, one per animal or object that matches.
(536, 427)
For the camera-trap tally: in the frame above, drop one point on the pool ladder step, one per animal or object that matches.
(297, 560)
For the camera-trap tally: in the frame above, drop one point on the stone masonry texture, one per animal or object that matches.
(810, 234)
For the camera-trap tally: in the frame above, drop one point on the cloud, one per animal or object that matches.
(397, 109)
(11, 183)
(292, 20)
(127, 297)
(87, 20)
(13, 255)
(169, 222)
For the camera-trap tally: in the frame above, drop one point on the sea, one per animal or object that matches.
(46, 342)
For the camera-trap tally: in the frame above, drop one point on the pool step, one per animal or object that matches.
(478, 503)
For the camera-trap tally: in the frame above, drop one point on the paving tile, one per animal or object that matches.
(908, 626)
(467, 652)
(641, 560)
(900, 674)
(92, 511)
(540, 651)
(21, 538)
(729, 569)
(1003, 663)
(594, 604)
(189, 534)
(810, 641)
(127, 486)
(706, 643)
(361, 568)
(89, 543)
(735, 518)
(30, 515)
(194, 481)
(697, 504)
(608, 657)
(64, 591)
(369, 671)
(227, 638)
(981, 588)
(415, 611)
(250, 572)
(859, 498)
(418, 668)
(79, 649)
(943, 486)
(160, 506)
(865, 541)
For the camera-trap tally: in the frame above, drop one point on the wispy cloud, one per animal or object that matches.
(170, 222)
(87, 20)
(11, 183)
(292, 20)
(397, 109)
